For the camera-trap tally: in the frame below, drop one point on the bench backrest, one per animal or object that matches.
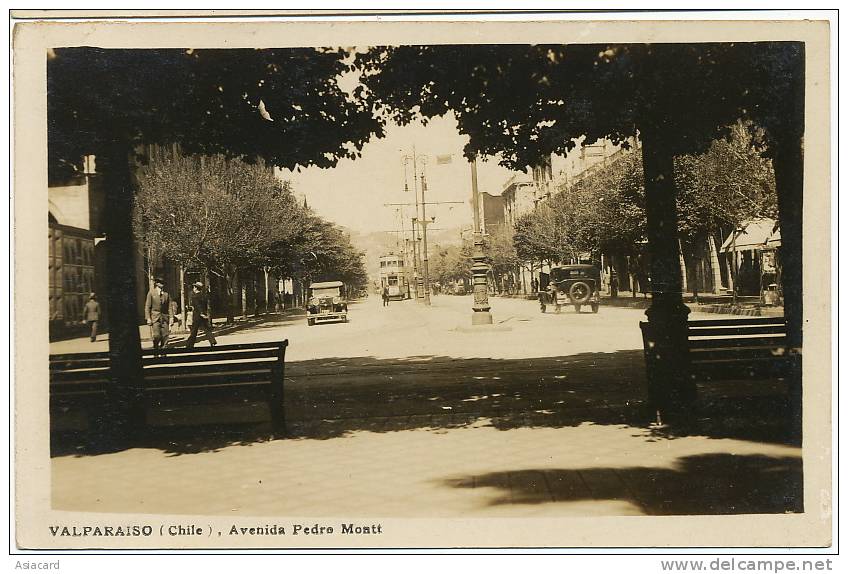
(88, 373)
(753, 347)
(763, 333)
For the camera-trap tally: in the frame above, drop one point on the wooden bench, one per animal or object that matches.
(734, 348)
(739, 348)
(224, 373)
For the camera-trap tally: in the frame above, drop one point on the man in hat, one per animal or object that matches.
(91, 315)
(198, 316)
(157, 311)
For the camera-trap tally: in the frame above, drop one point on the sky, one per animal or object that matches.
(353, 193)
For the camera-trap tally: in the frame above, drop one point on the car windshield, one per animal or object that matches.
(327, 292)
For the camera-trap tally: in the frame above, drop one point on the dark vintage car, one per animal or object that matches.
(577, 285)
(326, 303)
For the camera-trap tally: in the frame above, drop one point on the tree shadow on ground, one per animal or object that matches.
(337, 397)
(720, 483)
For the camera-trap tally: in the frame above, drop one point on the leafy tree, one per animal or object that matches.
(208, 101)
(451, 263)
(502, 256)
(729, 183)
(213, 213)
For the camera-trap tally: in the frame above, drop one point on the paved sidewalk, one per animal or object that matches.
(438, 471)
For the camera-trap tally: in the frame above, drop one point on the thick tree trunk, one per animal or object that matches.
(126, 410)
(789, 179)
(671, 391)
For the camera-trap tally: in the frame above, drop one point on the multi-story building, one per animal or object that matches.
(519, 197)
(75, 262)
(491, 213)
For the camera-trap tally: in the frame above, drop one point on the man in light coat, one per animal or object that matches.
(157, 311)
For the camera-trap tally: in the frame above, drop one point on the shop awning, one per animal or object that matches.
(756, 234)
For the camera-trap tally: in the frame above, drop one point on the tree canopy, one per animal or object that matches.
(209, 101)
(527, 101)
(225, 215)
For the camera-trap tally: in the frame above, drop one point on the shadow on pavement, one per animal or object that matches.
(700, 484)
(336, 397)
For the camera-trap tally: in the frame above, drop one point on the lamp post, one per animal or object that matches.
(424, 259)
(479, 270)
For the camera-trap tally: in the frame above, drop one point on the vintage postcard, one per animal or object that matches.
(386, 283)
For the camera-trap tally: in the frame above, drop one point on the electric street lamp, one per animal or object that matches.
(480, 269)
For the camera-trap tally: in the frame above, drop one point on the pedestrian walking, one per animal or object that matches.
(175, 316)
(385, 296)
(198, 316)
(91, 315)
(157, 311)
(543, 299)
(552, 296)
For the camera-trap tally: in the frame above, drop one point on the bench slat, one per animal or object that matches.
(79, 364)
(738, 354)
(745, 321)
(204, 348)
(741, 342)
(734, 370)
(87, 375)
(196, 383)
(170, 358)
(210, 376)
(208, 367)
(739, 330)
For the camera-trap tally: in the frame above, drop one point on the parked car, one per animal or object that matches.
(326, 303)
(577, 285)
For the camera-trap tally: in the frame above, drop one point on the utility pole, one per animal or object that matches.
(481, 314)
(424, 223)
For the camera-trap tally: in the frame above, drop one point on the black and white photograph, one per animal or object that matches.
(408, 284)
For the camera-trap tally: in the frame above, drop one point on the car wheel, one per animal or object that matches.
(310, 322)
(577, 307)
(579, 292)
(595, 307)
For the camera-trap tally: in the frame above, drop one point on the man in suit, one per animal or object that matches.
(157, 311)
(198, 316)
(91, 315)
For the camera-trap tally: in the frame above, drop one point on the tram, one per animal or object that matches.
(394, 276)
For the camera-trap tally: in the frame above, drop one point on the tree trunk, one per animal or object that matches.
(183, 298)
(229, 276)
(714, 264)
(255, 280)
(243, 290)
(670, 389)
(789, 179)
(126, 411)
(208, 296)
(267, 291)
